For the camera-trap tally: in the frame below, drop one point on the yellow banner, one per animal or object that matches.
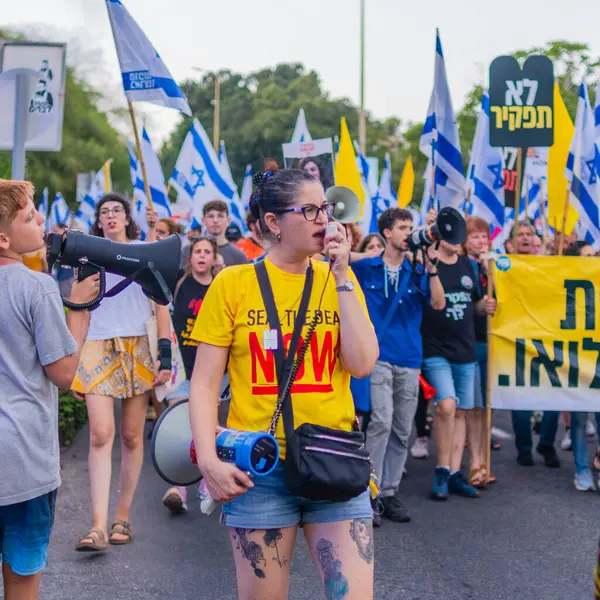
(545, 350)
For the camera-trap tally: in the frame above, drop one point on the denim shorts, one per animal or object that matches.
(25, 530)
(451, 380)
(270, 505)
(182, 392)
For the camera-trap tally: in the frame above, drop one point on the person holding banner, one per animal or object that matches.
(449, 366)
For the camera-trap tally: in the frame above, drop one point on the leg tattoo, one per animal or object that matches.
(361, 531)
(251, 551)
(336, 585)
(272, 536)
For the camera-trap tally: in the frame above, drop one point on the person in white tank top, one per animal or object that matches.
(116, 363)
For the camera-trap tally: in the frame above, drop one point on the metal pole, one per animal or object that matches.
(20, 134)
(216, 127)
(362, 119)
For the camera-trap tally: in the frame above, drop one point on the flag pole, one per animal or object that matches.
(561, 239)
(468, 204)
(217, 114)
(488, 391)
(138, 145)
(362, 122)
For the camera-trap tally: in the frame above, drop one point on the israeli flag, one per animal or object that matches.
(247, 188)
(139, 202)
(145, 76)
(440, 134)
(156, 179)
(43, 207)
(301, 133)
(199, 177)
(84, 217)
(385, 197)
(237, 211)
(583, 164)
(366, 218)
(59, 212)
(486, 173)
(597, 115)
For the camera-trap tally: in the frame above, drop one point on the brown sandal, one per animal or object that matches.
(477, 478)
(120, 528)
(490, 478)
(97, 542)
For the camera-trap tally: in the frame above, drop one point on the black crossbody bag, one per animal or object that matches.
(321, 463)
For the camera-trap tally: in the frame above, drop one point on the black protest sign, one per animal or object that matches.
(522, 102)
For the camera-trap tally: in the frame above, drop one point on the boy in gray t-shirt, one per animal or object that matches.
(38, 352)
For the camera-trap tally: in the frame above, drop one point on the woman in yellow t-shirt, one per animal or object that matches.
(262, 514)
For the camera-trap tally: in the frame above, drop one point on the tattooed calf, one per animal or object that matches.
(361, 531)
(335, 584)
(251, 551)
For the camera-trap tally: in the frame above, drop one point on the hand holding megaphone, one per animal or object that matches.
(337, 249)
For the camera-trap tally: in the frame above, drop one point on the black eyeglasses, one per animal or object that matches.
(311, 211)
(118, 210)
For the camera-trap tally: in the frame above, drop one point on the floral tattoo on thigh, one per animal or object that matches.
(361, 532)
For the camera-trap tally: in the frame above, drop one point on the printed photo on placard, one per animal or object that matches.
(315, 157)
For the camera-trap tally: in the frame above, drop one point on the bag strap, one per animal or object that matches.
(284, 365)
(402, 287)
(178, 287)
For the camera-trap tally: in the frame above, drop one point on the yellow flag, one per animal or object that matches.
(407, 184)
(557, 162)
(346, 169)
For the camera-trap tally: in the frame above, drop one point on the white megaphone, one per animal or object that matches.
(347, 203)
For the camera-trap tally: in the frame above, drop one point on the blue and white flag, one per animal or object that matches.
(139, 201)
(486, 173)
(440, 133)
(597, 114)
(59, 212)
(583, 166)
(301, 132)
(43, 207)
(198, 175)
(156, 179)
(84, 217)
(145, 76)
(385, 196)
(235, 205)
(247, 188)
(369, 184)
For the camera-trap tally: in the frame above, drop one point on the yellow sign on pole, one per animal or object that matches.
(545, 350)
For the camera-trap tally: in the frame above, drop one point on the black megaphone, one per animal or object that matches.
(153, 266)
(449, 226)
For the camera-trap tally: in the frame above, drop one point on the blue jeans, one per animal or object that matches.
(579, 440)
(451, 380)
(521, 420)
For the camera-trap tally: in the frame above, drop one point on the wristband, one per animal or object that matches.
(436, 274)
(164, 354)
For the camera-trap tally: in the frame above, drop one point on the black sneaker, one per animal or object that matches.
(394, 510)
(525, 459)
(551, 459)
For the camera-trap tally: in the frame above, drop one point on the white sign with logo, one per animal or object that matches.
(45, 101)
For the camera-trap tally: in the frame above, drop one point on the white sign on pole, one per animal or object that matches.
(315, 156)
(45, 103)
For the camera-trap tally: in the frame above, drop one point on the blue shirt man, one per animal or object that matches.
(389, 281)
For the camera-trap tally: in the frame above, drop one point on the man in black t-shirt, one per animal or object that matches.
(449, 365)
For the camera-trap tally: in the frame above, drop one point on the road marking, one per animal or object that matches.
(501, 434)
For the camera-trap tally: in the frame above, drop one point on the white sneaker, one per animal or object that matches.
(590, 428)
(566, 443)
(420, 449)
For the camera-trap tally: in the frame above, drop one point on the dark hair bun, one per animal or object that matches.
(271, 165)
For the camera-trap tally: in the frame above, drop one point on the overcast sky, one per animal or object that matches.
(246, 35)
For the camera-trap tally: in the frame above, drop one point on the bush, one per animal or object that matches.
(72, 416)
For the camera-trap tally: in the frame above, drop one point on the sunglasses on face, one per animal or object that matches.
(310, 211)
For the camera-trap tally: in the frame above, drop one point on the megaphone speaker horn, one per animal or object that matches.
(347, 203)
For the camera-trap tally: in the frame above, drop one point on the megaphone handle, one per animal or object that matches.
(161, 281)
(93, 304)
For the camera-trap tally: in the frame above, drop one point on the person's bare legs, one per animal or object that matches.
(344, 554)
(262, 561)
(443, 430)
(458, 442)
(133, 418)
(17, 587)
(101, 414)
(475, 436)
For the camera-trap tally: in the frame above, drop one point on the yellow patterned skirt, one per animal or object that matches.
(121, 367)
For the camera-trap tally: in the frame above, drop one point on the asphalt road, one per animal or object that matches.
(529, 537)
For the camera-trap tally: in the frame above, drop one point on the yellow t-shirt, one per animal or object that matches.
(233, 315)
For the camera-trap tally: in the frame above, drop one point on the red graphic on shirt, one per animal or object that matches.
(321, 351)
(195, 305)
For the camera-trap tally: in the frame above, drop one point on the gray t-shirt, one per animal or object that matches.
(33, 332)
(232, 255)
